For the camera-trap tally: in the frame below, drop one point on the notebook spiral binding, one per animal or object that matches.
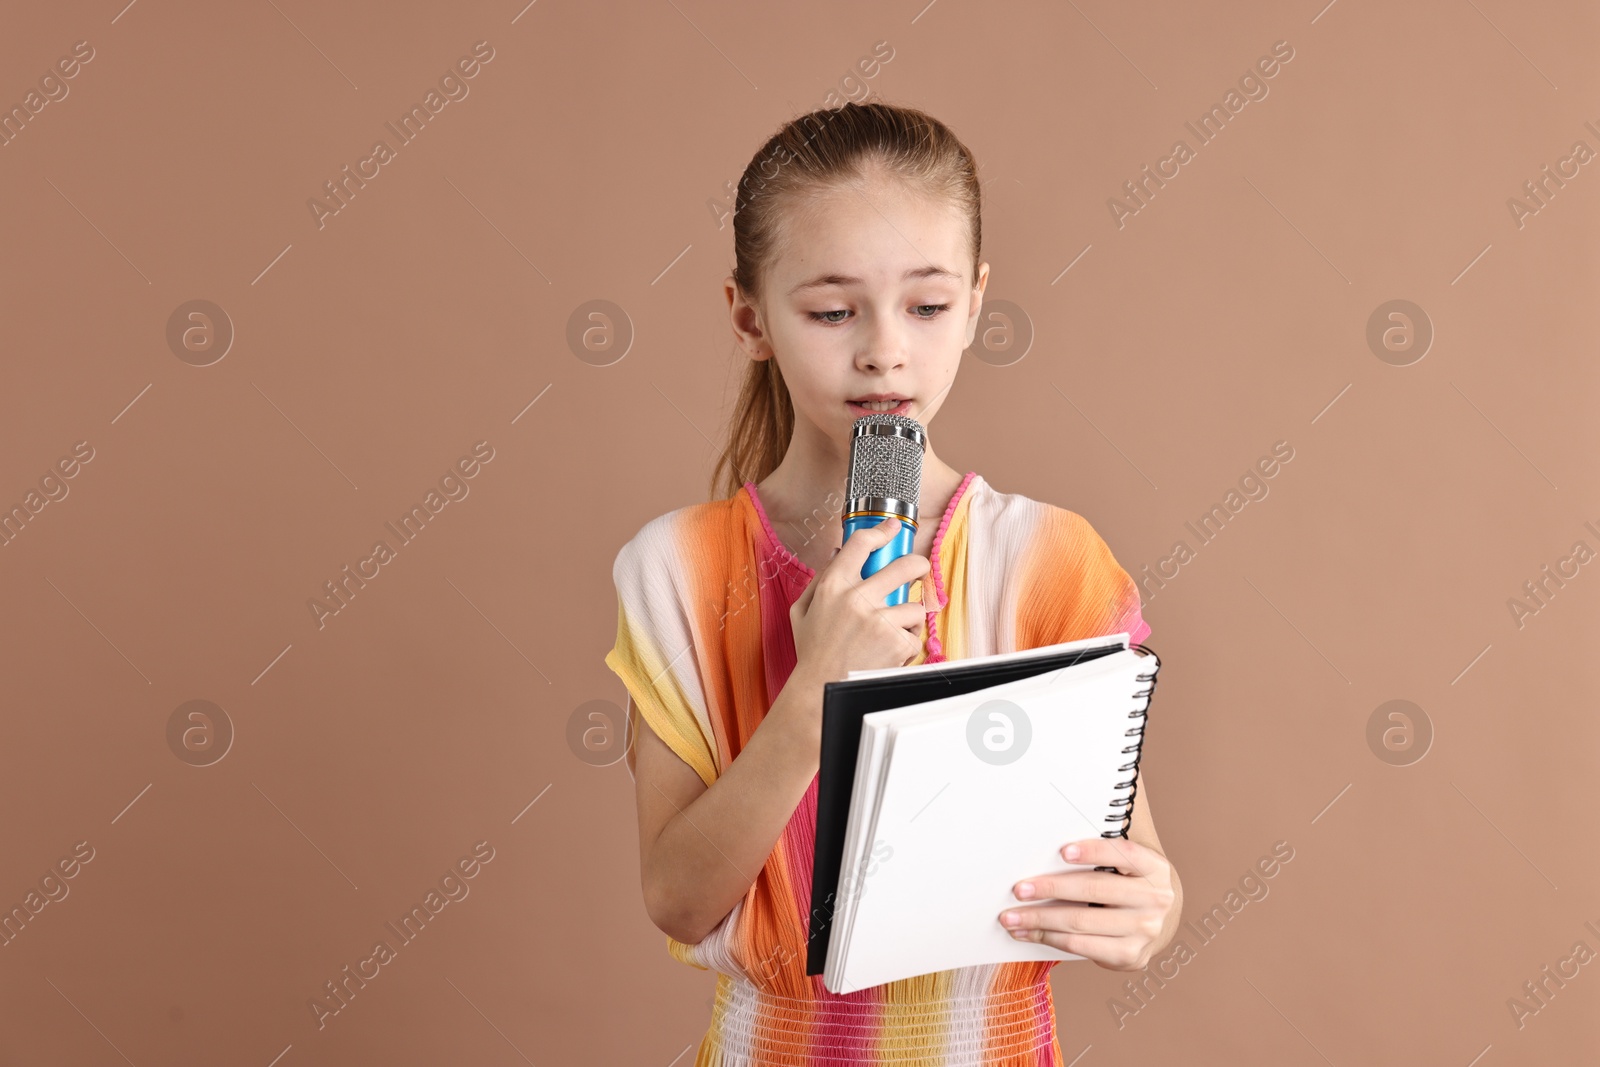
(1125, 817)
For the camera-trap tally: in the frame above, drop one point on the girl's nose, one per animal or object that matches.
(885, 350)
(881, 362)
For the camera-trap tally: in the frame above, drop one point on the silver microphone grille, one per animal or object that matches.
(886, 463)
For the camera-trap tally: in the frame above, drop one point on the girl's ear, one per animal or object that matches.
(746, 320)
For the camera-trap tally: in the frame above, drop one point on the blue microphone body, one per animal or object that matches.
(899, 545)
(885, 482)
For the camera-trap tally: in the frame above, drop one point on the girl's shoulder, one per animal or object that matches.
(674, 537)
(1068, 583)
(1024, 522)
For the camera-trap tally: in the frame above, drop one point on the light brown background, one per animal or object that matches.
(373, 352)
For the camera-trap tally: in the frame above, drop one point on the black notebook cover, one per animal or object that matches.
(843, 705)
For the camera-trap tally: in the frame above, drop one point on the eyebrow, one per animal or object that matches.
(825, 280)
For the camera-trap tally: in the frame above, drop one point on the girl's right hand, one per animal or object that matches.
(841, 622)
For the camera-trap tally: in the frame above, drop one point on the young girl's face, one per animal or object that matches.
(870, 292)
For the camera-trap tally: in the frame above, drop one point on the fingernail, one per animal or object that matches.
(1073, 852)
(1024, 890)
(1022, 935)
(1011, 918)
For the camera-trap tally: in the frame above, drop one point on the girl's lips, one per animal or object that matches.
(859, 410)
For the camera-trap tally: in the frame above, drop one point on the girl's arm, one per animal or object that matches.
(1142, 828)
(701, 848)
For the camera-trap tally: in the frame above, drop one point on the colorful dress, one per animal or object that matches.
(703, 646)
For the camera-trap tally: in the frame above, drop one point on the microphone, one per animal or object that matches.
(885, 481)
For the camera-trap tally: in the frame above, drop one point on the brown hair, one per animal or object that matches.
(826, 147)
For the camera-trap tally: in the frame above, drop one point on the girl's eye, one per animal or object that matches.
(934, 311)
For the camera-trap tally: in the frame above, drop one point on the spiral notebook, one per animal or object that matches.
(943, 785)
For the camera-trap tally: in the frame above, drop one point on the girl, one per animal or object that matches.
(857, 286)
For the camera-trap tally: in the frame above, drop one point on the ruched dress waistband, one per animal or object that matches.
(754, 1028)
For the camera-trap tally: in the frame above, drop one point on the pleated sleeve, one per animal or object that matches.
(656, 653)
(1074, 588)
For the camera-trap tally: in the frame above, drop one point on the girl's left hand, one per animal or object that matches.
(1123, 935)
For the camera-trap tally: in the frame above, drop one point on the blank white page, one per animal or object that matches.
(964, 831)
